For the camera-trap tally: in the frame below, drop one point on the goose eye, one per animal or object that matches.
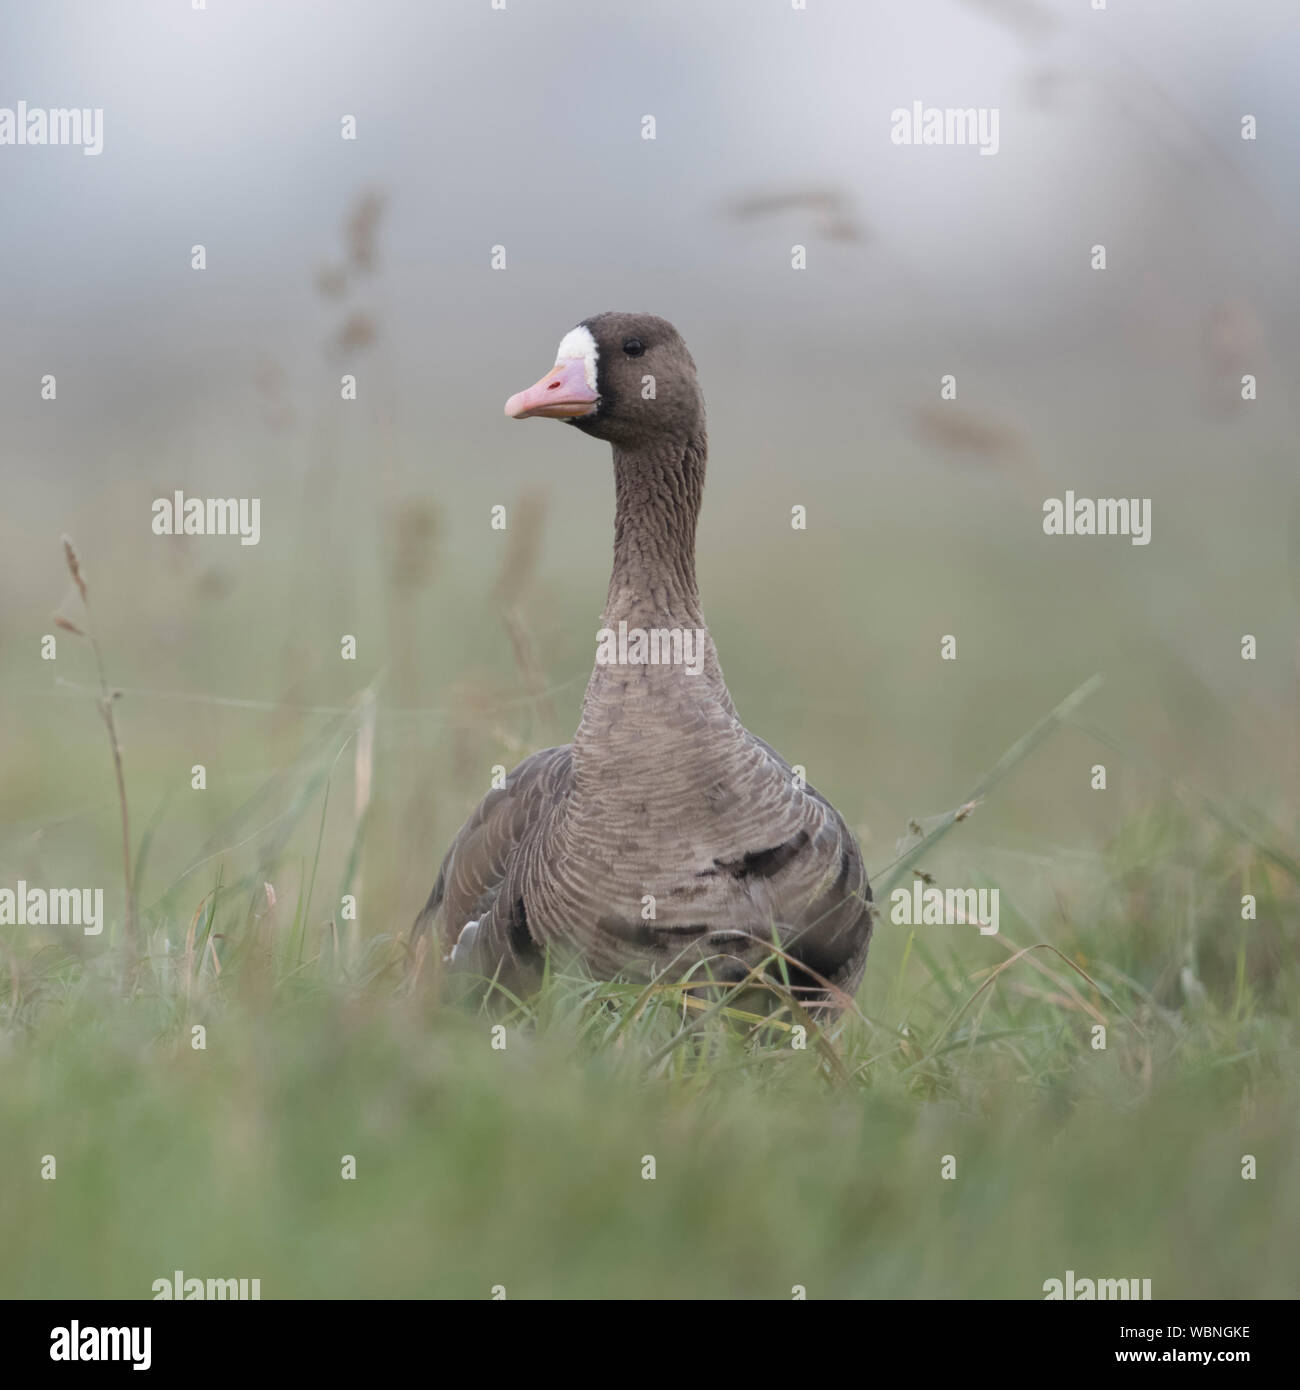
(634, 347)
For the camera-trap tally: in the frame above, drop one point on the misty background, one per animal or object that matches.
(522, 128)
(1164, 909)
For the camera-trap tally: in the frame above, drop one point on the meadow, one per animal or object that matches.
(958, 1134)
(260, 753)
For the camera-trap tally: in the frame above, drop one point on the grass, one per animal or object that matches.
(507, 1146)
(271, 909)
(188, 1090)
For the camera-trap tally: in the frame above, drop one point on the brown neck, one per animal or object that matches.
(658, 490)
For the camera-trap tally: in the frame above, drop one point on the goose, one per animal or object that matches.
(666, 836)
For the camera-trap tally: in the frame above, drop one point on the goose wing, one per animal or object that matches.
(810, 874)
(475, 867)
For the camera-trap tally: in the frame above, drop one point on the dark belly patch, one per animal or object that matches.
(763, 863)
(648, 933)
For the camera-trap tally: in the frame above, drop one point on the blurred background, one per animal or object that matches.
(521, 128)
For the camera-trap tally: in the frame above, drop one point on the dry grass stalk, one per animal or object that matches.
(365, 758)
(530, 666)
(413, 535)
(518, 566)
(412, 554)
(331, 281)
(992, 441)
(106, 699)
(190, 936)
(15, 980)
(834, 206)
(523, 546)
(358, 331)
(272, 384)
(363, 778)
(359, 232)
(419, 953)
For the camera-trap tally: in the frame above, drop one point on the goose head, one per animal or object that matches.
(624, 378)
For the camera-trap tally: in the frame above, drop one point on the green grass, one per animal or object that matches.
(521, 1166)
(775, 1165)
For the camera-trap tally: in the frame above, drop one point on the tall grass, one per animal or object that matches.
(504, 1142)
(1107, 1085)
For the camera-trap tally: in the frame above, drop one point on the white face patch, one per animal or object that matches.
(578, 342)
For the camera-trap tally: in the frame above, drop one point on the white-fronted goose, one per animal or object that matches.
(666, 832)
